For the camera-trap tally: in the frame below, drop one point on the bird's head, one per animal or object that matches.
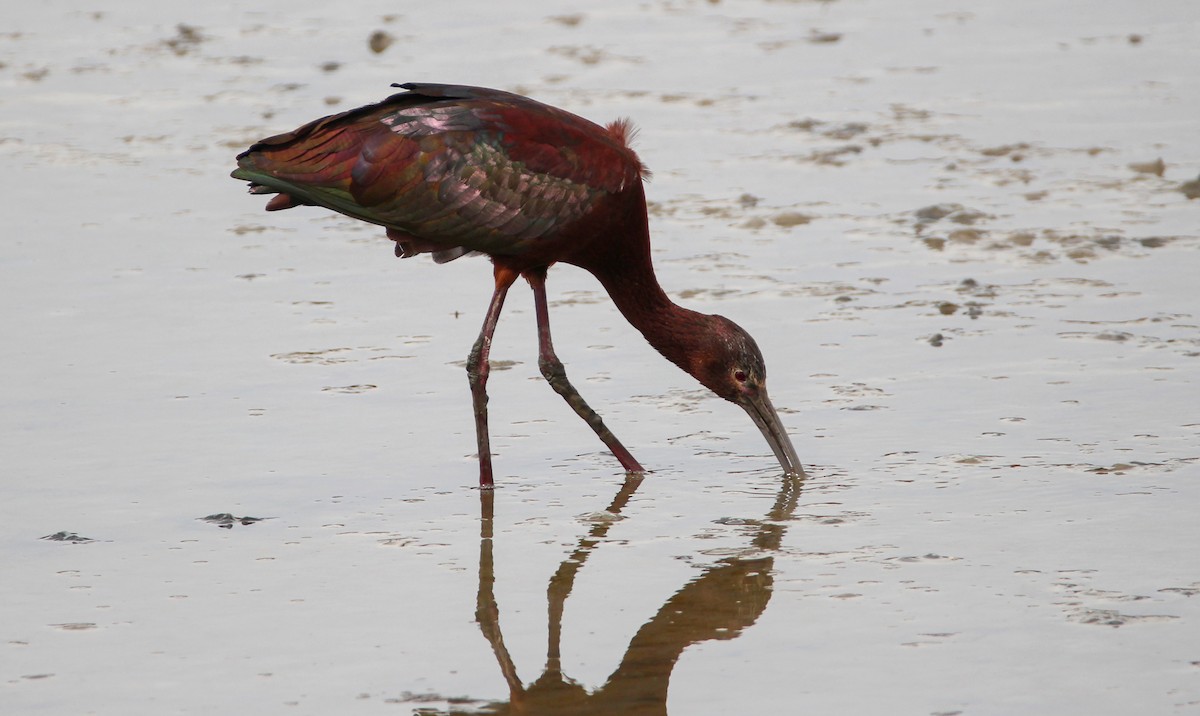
(730, 365)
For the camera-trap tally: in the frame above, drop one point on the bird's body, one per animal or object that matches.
(452, 170)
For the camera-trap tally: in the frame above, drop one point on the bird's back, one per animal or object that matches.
(453, 167)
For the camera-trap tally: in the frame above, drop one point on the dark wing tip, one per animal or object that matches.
(434, 89)
(429, 89)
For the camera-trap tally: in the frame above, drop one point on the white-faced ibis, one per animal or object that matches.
(452, 170)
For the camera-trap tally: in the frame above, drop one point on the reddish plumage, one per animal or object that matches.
(452, 170)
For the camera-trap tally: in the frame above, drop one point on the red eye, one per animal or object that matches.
(740, 376)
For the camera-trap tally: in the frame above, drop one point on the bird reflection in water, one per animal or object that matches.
(729, 596)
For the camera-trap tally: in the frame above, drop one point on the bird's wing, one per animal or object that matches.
(452, 166)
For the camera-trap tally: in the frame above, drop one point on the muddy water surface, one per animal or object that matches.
(965, 238)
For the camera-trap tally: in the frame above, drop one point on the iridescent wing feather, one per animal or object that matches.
(453, 167)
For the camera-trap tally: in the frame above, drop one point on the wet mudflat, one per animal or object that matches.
(965, 239)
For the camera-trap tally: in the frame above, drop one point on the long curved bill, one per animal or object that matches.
(762, 412)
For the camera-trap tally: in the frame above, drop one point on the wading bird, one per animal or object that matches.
(453, 170)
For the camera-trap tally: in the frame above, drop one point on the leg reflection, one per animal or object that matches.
(725, 599)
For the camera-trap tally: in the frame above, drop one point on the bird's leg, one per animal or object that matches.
(556, 375)
(477, 373)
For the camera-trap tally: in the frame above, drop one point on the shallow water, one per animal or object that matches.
(950, 231)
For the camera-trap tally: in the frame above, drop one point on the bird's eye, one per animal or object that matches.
(740, 376)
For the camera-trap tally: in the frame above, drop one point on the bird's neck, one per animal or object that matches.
(628, 276)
